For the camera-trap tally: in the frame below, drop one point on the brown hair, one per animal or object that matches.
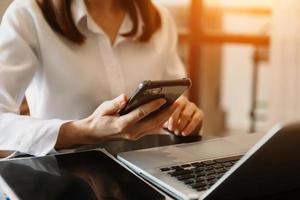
(58, 14)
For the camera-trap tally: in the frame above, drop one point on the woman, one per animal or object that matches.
(69, 57)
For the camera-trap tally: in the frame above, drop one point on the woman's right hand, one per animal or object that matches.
(105, 123)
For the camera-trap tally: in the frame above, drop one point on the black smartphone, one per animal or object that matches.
(150, 90)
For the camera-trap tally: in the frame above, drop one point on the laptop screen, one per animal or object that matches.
(86, 175)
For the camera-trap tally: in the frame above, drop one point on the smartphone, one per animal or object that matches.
(148, 91)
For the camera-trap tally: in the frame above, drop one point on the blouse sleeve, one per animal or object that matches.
(18, 64)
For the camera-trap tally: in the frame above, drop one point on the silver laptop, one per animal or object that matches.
(216, 169)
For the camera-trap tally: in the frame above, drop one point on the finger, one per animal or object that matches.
(113, 106)
(173, 121)
(185, 117)
(195, 122)
(142, 111)
(181, 103)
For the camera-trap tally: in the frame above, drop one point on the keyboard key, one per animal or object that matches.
(209, 172)
(209, 162)
(198, 185)
(211, 184)
(197, 164)
(209, 167)
(227, 168)
(212, 181)
(186, 165)
(200, 174)
(210, 177)
(201, 189)
(229, 159)
(165, 169)
(185, 176)
(194, 163)
(227, 164)
(200, 179)
(177, 168)
(219, 176)
(188, 181)
(199, 169)
(217, 166)
(220, 170)
(182, 172)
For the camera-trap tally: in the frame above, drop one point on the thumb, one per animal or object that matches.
(112, 107)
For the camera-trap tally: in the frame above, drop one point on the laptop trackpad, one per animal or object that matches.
(168, 155)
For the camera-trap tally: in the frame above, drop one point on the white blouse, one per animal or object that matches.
(64, 81)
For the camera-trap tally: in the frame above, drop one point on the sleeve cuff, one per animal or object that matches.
(45, 143)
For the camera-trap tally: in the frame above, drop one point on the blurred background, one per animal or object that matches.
(243, 57)
(225, 46)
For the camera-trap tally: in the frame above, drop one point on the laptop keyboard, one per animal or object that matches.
(201, 175)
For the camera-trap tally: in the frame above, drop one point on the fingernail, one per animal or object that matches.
(165, 125)
(176, 132)
(184, 133)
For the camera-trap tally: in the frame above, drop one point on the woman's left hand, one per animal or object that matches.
(187, 118)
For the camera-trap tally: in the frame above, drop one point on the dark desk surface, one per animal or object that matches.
(114, 147)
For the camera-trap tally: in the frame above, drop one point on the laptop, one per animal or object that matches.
(223, 168)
